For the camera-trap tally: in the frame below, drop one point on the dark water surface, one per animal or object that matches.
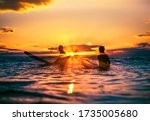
(23, 81)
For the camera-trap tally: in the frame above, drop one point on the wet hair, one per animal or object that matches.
(60, 47)
(101, 49)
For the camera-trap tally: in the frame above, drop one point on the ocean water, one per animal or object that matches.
(22, 80)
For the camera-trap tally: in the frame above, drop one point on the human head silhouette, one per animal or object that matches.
(101, 49)
(61, 49)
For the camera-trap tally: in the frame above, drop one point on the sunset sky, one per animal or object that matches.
(41, 24)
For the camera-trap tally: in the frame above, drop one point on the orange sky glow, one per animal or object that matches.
(36, 26)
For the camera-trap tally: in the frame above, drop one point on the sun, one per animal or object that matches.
(89, 43)
(71, 54)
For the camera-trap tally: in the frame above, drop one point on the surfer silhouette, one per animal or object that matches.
(61, 49)
(104, 61)
(62, 59)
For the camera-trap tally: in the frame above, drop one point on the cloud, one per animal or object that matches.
(143, 45)
(82, 48)
(75, 48)
(146, 35)
(4, 30)
(3, 47)
(19, 5)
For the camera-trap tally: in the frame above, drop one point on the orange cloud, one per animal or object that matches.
(143, 44)
(19, 5)
(4, 48)
(5, 30)
(145, 35)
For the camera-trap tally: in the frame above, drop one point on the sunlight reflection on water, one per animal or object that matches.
(27, 83)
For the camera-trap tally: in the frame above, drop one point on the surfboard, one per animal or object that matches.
(104, 66)
(91, 65)
(88, 65)
(37, 58)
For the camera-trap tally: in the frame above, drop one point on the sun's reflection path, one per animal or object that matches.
(71, 87)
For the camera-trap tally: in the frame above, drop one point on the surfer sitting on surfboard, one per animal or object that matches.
(104, 62)
(62, 59)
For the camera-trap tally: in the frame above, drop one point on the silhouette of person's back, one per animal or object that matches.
(104, 61)
(62, 59)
